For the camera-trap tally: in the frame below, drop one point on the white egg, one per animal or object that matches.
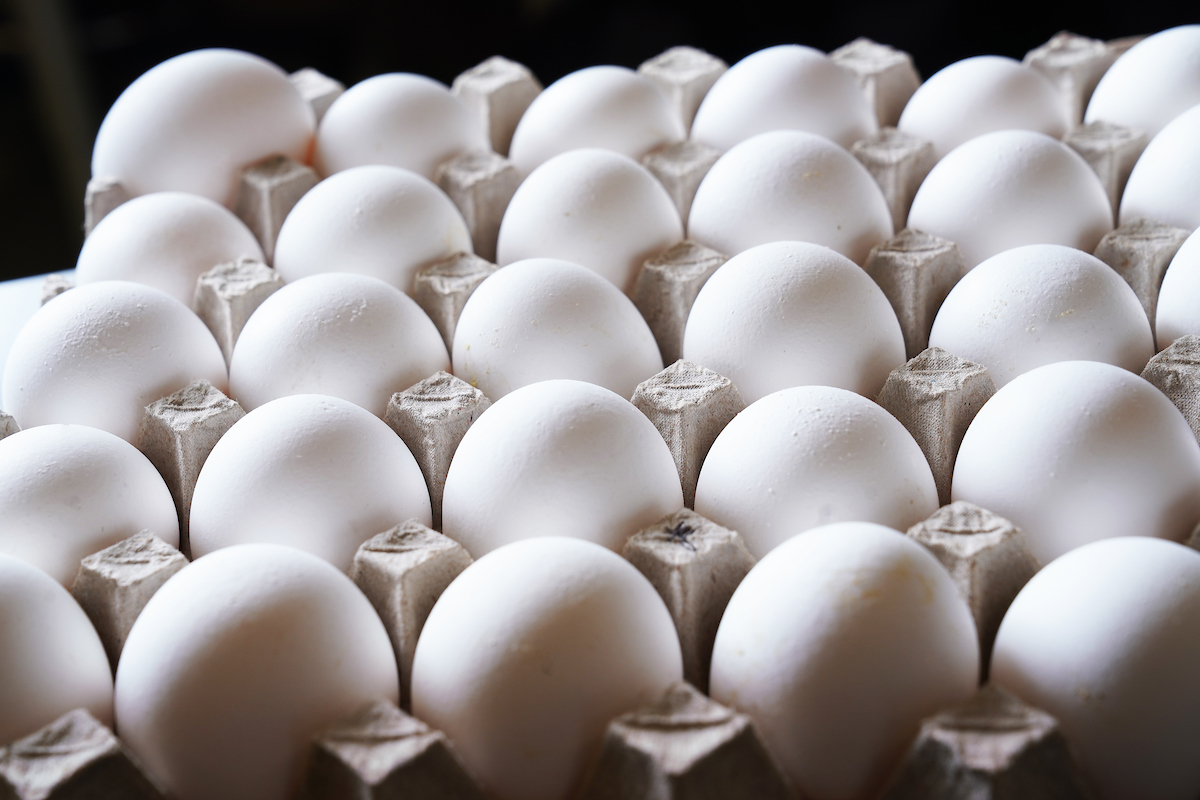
(809, 456)
(786, 87)
(1078, 451)
(100, 353)
(1005, 189)
(595, 208)
(983, 94)
(192, 123)
(611, 108)
(543, 318)
(1178, 312)
(398, 119)
(786, 186)
(349, 336)
(775, 316)
(237, 662)
(67, 491)
(1039, 304)
(558, 458)
(1152, 83)
(1165, 182)
(51, 660)
(166, 240)
(309, 471)
(529, 654)
(838, 643)
(1104, 639)
(380, 221)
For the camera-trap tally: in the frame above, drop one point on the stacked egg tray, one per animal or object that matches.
(960, 739)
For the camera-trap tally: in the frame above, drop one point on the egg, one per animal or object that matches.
(838, 643)
(983, 94)
(775, 316)
(380, 221)
(1078, 451)
(314, 472)
(786, 87)
(192, 123)
(1009, 188)
(398, 119)
(809, 456)
(100, 353)
(596, 208)
(166, 240)
(1165, 182)
(1178, 312)
(606, 107)
(558, 458)
(542, 318)
(531, 651)
(1151, 83)
(51, 660)
(67, 491)
(1104, 639)
(349, 336)
(237, 662)
(1039, 304)
(790, 185)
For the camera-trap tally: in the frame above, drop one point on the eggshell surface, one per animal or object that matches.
(775, 316)
(595, 208)
(1178, 312)
(193, 122)
(100, 353)
(1165, 182)
(1152, 83)
(380, 221)
(238, 661)
(1009, 188)
(1042, 303)
(310, 471)
(1101, 453)
(838, 643)
(790, 186)
(51, 660)
(558, 458)
(1103, 639)
(786, 87)
(805, 457)
(166, 240)
(531, 651)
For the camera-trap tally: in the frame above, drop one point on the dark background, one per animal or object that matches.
(63, 62)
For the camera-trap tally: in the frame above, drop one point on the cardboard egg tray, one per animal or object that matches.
(685, 745)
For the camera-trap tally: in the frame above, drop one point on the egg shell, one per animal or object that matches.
(1104, 639)
(596, 208)
(192, 123)
(774, 316)
(558, 458)
(100, 353)
(1165, 182)
(1009, 188)
(790, 186)
(51, 659)
(786, 87)
(238, 661)
(380, 221)
(606, 107)
(399, 119)
(1151, 83)
(166, 240)
(810, 456)
(1078, 451)
(531, 651)
(982, 94)
(838, 643)
(1042, 303)
(1178, 312)
(349, 336)
(310, 471)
